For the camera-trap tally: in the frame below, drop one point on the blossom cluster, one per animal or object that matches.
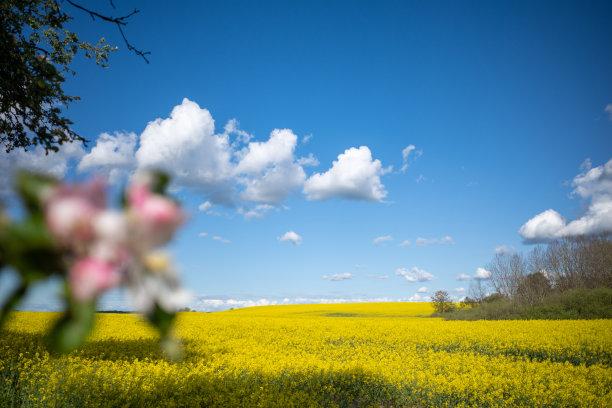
(109, 247)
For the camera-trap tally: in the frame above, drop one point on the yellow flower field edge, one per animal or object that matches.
(346, 355)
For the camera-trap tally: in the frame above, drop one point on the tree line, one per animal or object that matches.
(569, 271)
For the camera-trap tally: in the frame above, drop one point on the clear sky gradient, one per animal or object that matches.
(380, 150)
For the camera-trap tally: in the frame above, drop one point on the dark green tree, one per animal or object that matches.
(36, 52)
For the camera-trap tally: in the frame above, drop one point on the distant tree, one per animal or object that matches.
(442, 302)
(533, 288)
(36, 51)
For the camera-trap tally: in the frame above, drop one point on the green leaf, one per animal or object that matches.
(160, 181)
(29, 247)
(72, 329)
(161, 319)
(32, 187)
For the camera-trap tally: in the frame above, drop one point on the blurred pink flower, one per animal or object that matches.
(154, 217)
(91, 276)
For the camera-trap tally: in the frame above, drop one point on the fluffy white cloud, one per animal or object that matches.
(429, 241)
(54, 164)
(504, 250)
(385, 238)
(354, 176)
(482, 274)
(423, 289)
(203, 234)
(459, 289)
(405, 243)
(339, 276)
(259, 155)
(213, 304)
(415, 274)
(292, 237)
(463, 276)
(222, 240)
(608, 110)
(186, 146)
(268, 170)
(274, 185)
(112, 155)
(593, 184)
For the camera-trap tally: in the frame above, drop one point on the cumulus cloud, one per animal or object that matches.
(292, 237)
(339, 276)
(594, 186)
(429, 241)
(415, 274)
(186, 146)
(256, 212)
(405, 243)
(222, 240)
(459, 289)
(504, 250)
(217, 304)
(385, 238)
(463, 277)
(112, 155)
(203, 234)
(354, 176)
(482, 274)
(54, 164)
(423, 289)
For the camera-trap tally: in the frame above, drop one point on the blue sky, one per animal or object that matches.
(502, 103)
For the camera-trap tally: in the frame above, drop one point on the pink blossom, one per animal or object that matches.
(91, 276)
(155, 217)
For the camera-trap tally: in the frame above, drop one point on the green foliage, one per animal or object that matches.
(572, 304)
(35, 53)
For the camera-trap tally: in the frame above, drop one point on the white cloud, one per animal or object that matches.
(415, 274)
(608, 110)
(504, 250)
(594, 184)
(482, 274)
(421, 178)
(405, 243)
(463, 277)
(259, 155)
(354, 176)
(257, 212)
(205, 206)
(307, 138)
(274, 185)
(222, 240)
(292, 237)
(418, 298)
(459, 289)
(429, 241)
(54, 164)
(385, 238)
(213, 305)
(339, 276)
(203, 234)
(405, 155)
(358, 266)
(308, 161)
(269, 171)
(423, 289)
(113, 155)
(185, 145)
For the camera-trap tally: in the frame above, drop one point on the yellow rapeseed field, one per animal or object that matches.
(348, 355)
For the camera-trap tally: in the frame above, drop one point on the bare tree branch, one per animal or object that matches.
(119, 22)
